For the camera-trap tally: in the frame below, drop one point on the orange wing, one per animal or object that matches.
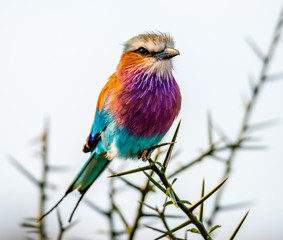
(99, 124)
(112, 83)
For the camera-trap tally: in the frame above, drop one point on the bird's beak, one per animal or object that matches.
(167, 53)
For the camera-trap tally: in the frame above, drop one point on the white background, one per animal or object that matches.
(55, 56)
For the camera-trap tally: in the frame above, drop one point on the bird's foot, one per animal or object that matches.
(145, 155)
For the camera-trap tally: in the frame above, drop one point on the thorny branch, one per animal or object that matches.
(159, 170)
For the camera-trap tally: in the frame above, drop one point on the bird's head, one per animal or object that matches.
(149, 53)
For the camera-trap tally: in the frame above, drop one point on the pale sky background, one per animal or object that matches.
(55, 56)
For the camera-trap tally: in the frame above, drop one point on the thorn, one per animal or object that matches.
(255, 49)
(274, 77)
(239, 226)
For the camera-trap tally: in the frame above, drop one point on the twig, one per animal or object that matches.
(43, 182)
(63, 229)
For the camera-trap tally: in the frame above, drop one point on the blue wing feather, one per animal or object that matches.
(99, 125)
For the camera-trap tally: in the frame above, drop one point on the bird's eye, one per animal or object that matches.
(142, 51)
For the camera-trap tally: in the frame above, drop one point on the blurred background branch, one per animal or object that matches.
(31, 224)
(246, 126)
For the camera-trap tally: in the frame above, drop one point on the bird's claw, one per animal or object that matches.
(145, 155)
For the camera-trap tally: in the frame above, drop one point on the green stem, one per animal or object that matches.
(189, 213)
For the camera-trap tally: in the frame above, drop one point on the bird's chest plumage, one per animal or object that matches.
(145, 107)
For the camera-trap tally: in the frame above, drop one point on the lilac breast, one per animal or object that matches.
(146, 104)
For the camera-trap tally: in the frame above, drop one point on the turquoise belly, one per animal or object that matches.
(128, 145)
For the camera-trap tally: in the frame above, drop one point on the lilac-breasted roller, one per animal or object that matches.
(135, 108)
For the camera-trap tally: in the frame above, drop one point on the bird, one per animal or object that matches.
(134, 110)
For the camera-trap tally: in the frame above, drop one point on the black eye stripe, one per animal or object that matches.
(142, 51)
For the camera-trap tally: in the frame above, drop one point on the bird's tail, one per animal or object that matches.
(93, 167)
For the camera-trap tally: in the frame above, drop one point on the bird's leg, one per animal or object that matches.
(145, 155)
